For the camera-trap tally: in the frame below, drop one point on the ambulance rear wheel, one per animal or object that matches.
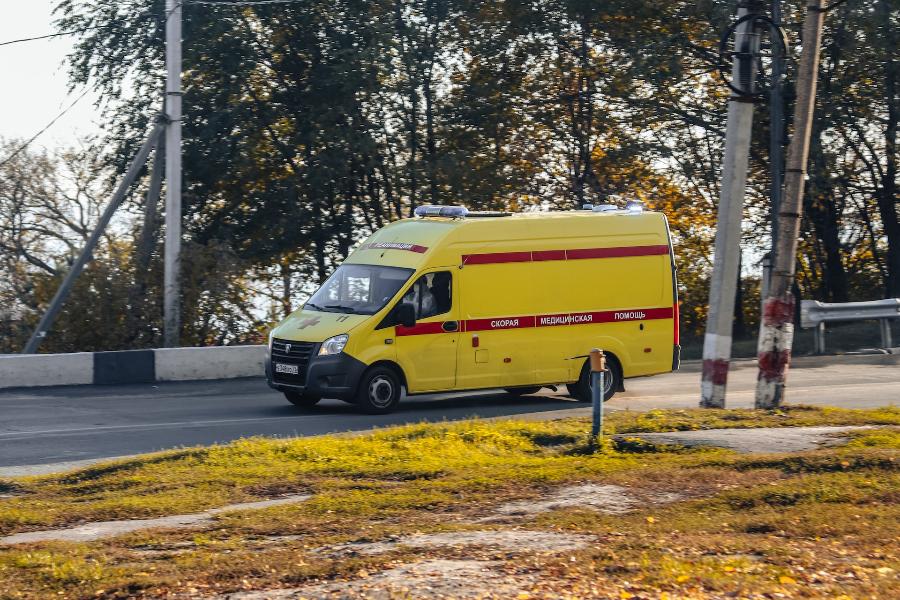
(302, 400)
(523, 391)
(379, 391)
(612, 381)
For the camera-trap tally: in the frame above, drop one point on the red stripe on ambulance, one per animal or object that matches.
(525, 322)
(498, 323)
(421, 329)
(607, 316)
(574, 254)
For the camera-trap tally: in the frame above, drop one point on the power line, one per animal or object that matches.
(241, 2)
(21, 148)
(52, 35)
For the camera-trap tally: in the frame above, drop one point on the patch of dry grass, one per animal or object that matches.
(815, 524)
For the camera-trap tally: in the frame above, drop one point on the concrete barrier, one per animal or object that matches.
(131, 366)
(222, 362)
(20, 370)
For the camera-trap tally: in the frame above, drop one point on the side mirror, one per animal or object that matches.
(405, 313)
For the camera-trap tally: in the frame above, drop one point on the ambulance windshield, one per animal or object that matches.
(359, 289)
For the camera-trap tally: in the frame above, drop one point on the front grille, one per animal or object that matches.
(292, 353)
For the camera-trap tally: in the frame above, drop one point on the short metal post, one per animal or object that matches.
(820, 338)
(886, 341)
(598, 366)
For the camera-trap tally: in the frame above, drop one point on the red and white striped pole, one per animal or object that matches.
(776, 333)
(726, 263)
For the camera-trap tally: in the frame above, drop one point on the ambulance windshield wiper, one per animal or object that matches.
(341, 308)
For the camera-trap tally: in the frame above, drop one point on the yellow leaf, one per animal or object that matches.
(651, 520)
(682, 578)
(728, 568)
(523, 596)
(786, 579)
(845, 464)
(625, 595)
(362, 573)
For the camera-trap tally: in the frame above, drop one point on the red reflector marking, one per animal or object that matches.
(576, 254)
(397, 246)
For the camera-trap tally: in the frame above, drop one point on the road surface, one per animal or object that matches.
(43, 430)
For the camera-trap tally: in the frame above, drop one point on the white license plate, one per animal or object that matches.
(289, 369)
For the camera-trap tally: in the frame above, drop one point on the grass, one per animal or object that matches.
(761, 524)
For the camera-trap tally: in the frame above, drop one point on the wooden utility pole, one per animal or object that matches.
(726, 265)
(172, 257)
(776, 333)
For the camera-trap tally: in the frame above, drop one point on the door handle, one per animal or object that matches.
(450, 326)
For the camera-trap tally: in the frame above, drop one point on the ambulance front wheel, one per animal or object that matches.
(379, 391)
(302, 400)
(612, 381)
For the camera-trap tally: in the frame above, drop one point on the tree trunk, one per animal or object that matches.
(888, 198)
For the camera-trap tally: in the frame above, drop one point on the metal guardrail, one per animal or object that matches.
(814, 314)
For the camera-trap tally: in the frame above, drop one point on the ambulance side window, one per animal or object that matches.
(431, 295)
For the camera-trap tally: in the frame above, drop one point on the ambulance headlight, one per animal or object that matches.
(334, 345)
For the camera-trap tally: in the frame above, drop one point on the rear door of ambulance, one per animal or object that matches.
(612, 290)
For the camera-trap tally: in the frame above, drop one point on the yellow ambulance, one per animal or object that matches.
(456, 300)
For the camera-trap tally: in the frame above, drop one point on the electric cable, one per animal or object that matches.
(25, 145)
(241, 2)
(52, 35)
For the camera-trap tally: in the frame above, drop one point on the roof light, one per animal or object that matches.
(441, 211)
(634, 207)
(605, 207)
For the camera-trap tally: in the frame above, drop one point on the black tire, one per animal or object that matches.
(523, 391)
(301, 400)
(612, 381)
(379, 391)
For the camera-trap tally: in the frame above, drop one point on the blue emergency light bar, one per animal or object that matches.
(441, 211)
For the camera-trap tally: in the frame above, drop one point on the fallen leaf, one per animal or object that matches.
(651, 520)
(786, 579)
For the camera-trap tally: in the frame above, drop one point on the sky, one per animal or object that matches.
(35, 82)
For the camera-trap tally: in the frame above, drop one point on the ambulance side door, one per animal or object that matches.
(499, 341)
(427, 351)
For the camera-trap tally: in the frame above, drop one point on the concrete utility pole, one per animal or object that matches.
(723, 285)
(172, 258)
(87, 252)
(776, 144)
(776, 333)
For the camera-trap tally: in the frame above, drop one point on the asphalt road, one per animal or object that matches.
(43, 430)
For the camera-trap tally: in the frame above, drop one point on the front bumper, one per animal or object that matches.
(335, 376)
